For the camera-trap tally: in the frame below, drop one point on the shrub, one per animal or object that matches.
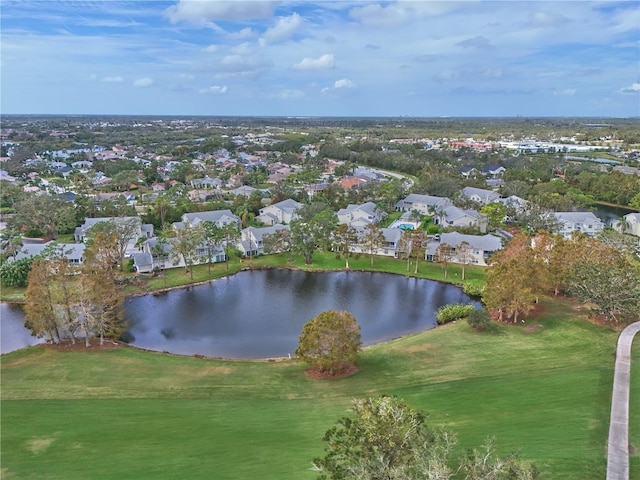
(479, 319)
(473, 289)
(449, 313)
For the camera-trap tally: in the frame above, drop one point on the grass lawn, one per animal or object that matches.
(124, 413)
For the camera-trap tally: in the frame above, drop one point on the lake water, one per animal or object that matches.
(13, 334)
(260, 314)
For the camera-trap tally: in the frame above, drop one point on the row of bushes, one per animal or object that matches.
(478, 318)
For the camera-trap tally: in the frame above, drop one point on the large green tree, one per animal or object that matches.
(612, 289)
(330, 342)
(311, 231)
(43, 215)
(386, 439)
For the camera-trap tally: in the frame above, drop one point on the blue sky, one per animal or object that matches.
(321, 58)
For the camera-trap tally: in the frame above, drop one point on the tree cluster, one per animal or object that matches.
(386, 439)
(597, 272)
(63, 301)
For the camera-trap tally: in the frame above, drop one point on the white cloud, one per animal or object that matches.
(378, 16)
(143, 82)
(242, 34)
(250, 66)
(567, 92)
(344, 83)
(284, 29)
(198, 12)
(633, 88)
(321, 63)
(215, 89)
(113, 79)
(212, 48)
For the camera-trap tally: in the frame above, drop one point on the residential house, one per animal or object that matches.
(492, 171)
(252, 238)
(480, 247)
(630, 223)
(206, 182)
(143, 262)
(469, 171)
(360, 215)
(140, 230)
(350, 182)
(425, 204)
(480, 195)
(390, 246)
(584, 222)
(453, 216)
(312, 190)
(245, 190)
(73, 252)
(513, 202)
(219, 217)
(162, 257)
(280, 212)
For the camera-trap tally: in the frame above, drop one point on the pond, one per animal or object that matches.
(260, 314)
(14, 335)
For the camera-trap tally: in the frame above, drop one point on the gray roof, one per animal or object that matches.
(142, 259)
(90, 222)
(210, 216)
(452, 212)
(577, 217)
(368, 207)
(488, 243)
(288, 205)
(480, 192)
(430, 200)
(70, 251)
(260, 232)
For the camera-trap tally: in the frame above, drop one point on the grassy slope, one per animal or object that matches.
(130, 414)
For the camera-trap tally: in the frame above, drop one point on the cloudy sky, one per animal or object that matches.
(321, 58)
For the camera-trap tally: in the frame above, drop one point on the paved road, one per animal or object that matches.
(618, 447)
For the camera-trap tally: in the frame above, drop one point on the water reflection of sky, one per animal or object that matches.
(13, 334)
(260, 314)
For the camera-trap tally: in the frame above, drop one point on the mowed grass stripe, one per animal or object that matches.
(125, 413)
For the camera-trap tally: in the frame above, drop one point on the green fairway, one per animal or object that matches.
(125, 413)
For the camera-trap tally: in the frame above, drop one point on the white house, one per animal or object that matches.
(360, 215)
(480, 247)
(480, 195)
(584, 222)
(425, 204)
(453, 216)
(390, 246)
(138, 229)
(630, 224)
(281, 212)
(73, 252)
(252, 238)
(219, 217)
